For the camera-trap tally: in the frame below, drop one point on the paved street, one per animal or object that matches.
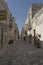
(22, 53)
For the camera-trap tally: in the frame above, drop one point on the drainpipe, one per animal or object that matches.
(34, 37)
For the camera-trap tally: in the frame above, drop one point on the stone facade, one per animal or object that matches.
(7, 26)
(38, 23)
(33, 10)
(36, 7)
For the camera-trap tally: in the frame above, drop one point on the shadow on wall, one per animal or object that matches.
(35, 41)
(41, 43)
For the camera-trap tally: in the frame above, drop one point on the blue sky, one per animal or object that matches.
(19, 9)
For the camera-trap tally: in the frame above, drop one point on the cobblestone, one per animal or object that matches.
(22, 53)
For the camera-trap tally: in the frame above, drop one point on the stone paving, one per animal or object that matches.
(2, 51)
(22, 53)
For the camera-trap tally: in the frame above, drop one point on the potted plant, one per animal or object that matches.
(37, 41)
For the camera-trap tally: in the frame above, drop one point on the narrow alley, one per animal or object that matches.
(22, 53)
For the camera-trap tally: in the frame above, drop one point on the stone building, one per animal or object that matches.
(7, 25)
(3, 35)
(33, 10)
(37, 19)
(37, 24)
(34, 21)
(4, 28)
(13, 29)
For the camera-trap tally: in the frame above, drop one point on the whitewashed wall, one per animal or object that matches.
(39, 30)
(38, 24)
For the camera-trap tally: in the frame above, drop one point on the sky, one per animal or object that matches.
(19, 10)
